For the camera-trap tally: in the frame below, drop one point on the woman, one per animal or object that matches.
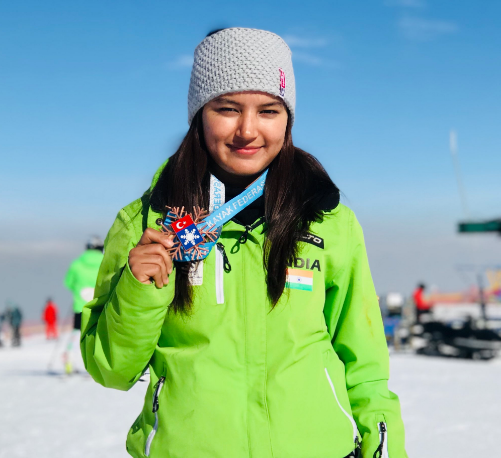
(273, 345)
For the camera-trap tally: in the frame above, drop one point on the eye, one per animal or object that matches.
(226, 109)
(269, 112)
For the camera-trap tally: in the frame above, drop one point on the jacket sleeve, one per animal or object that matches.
(354, 321)
(122, 324)
(69, 277)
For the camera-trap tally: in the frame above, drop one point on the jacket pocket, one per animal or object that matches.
(346, 414)
(155, 406)
(382, 450)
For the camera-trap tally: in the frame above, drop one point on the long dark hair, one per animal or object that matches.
(295, 186)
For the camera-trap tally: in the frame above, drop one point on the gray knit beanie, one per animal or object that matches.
(238, 59)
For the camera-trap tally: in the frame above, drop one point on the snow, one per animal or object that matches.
(450, 407)
(52, 416)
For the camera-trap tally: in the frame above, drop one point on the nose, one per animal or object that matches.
(247, 127)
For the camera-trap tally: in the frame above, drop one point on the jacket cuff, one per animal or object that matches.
(147, 296)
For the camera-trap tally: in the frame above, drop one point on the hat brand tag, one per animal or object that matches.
(282, 82)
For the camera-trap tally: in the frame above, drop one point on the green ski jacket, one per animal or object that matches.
(236, 378)
(81, 277)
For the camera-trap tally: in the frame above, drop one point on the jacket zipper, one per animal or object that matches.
(382, 450)
(149, 440)
(249, 228)
(348, 416)
(222, 265)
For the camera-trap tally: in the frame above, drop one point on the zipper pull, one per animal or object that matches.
(379, 451)
(358, 448)
(226, 262)
(243, 238)
(158, 387)
(245, 235)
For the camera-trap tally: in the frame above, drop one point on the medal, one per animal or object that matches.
(191, 231)
(196, 233)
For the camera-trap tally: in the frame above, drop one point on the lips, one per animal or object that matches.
(249, 150)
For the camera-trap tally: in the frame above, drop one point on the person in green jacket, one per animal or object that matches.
(81, 279)
(267, 342)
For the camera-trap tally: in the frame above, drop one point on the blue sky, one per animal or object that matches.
(93, 98)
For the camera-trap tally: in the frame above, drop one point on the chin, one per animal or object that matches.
(245, 168)
(245, 171)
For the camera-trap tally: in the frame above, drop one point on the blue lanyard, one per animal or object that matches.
(217, 194)
(228, 210)
(223, 212)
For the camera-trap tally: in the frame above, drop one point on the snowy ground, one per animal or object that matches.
(450, 407)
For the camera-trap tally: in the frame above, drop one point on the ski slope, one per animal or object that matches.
(450, 407)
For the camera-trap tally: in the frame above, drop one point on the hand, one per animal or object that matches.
(149, 260)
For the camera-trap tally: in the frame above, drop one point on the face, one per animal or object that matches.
(244, 132)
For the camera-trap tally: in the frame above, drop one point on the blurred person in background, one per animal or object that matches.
(14, 317)
(2, 319)
(50, 317)
(273, 345)
(81, 281)
(423, 307)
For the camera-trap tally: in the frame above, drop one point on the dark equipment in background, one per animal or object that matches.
(397, 318)
(460, 339)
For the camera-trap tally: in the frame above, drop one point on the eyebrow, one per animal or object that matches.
(223, 100)
(271, 104)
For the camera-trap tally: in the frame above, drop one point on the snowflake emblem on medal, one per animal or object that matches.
(191, 232)
(190, 237)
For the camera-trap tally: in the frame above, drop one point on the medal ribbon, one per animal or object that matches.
(223, 212)
(228, 210)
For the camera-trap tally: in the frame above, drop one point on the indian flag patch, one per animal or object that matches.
(299, 279)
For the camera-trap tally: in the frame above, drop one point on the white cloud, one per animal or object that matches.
(315, 61)
(305, 44)
(306, 58)
(182, 61)
(406, 3)
(419, 29)
(295, 41)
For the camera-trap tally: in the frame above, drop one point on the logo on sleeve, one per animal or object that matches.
(313, 240)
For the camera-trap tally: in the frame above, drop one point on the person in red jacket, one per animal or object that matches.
(422, 306)
(50, 318)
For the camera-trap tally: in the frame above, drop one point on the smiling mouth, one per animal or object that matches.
(245, 149)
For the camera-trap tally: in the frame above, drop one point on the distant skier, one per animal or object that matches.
(15, 318)
(81, 280)
(50, 318)
(423, 307)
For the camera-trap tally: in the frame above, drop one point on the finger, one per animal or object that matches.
(159, 262)
(153, 272)
(169, 240)
(158, 279)
(152, 236)
(166, 263)
(144, 267)
(141, 272)
(167, 259)
(154, 249)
